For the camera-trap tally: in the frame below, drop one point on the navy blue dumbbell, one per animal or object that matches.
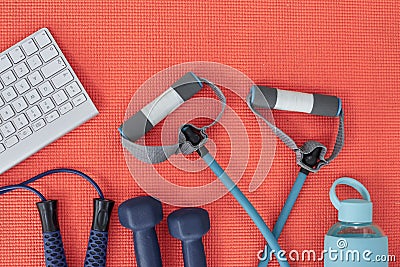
(189, 225)
(53, 245)
(141, 215)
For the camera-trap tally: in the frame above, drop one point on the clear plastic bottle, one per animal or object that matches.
(355, 240)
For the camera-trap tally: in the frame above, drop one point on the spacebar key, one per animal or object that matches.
(62, 78)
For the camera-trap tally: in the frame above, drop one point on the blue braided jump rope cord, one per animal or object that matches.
(284, 215)
(246, 204)
(9, 188)
(54, 171)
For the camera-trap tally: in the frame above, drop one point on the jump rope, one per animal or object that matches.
(311, 157)
(53, 246)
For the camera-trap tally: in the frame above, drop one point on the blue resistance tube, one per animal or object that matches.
(284, 215)
(247, 206)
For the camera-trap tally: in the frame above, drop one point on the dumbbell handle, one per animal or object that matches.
(193, 253)
(147, 249)
(317, 104)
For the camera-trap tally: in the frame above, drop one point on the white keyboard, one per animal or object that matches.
(41, 98)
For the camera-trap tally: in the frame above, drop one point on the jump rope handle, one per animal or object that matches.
(53, 245)
(98, 239)
(317, 104)
(154, 112)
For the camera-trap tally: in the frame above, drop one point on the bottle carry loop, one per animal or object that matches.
(349, 182)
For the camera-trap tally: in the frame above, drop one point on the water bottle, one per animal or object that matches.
(355, 240)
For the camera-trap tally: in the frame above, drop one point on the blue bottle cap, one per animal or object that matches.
(352, 210)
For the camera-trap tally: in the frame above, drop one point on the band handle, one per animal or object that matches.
(316, 104)
(264, 97)
(154, 112)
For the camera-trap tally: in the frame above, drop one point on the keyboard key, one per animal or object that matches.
(79, 100)
(33, 96)
(1, 86)
(46, 88)
(52, 116)
(29, 47)
(35, 78)
(34, 113)
(7, 129)
(9, 94)
(24, 133)
(21, 70)
(65, 108)
(60, 97)
(6, 112)
(49, 53)
(20, 104)
(20, 121)
(1, 102)
(5, 63)
(34, 62)
(46, 105)
(53, 67)
(62, 78)
(2, 148)
(11, 141)
(8, 77)
(73, 89)
(36, 126)
(16, 54)
(42, 39)
(22, 86)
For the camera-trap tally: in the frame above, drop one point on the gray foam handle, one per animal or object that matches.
(317, 104)
(154, 112)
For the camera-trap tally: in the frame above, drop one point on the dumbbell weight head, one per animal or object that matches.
(189, 225)
(141, 215)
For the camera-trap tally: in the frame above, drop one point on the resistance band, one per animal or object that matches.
(311, 156)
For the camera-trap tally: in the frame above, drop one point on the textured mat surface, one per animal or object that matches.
(347, 49)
